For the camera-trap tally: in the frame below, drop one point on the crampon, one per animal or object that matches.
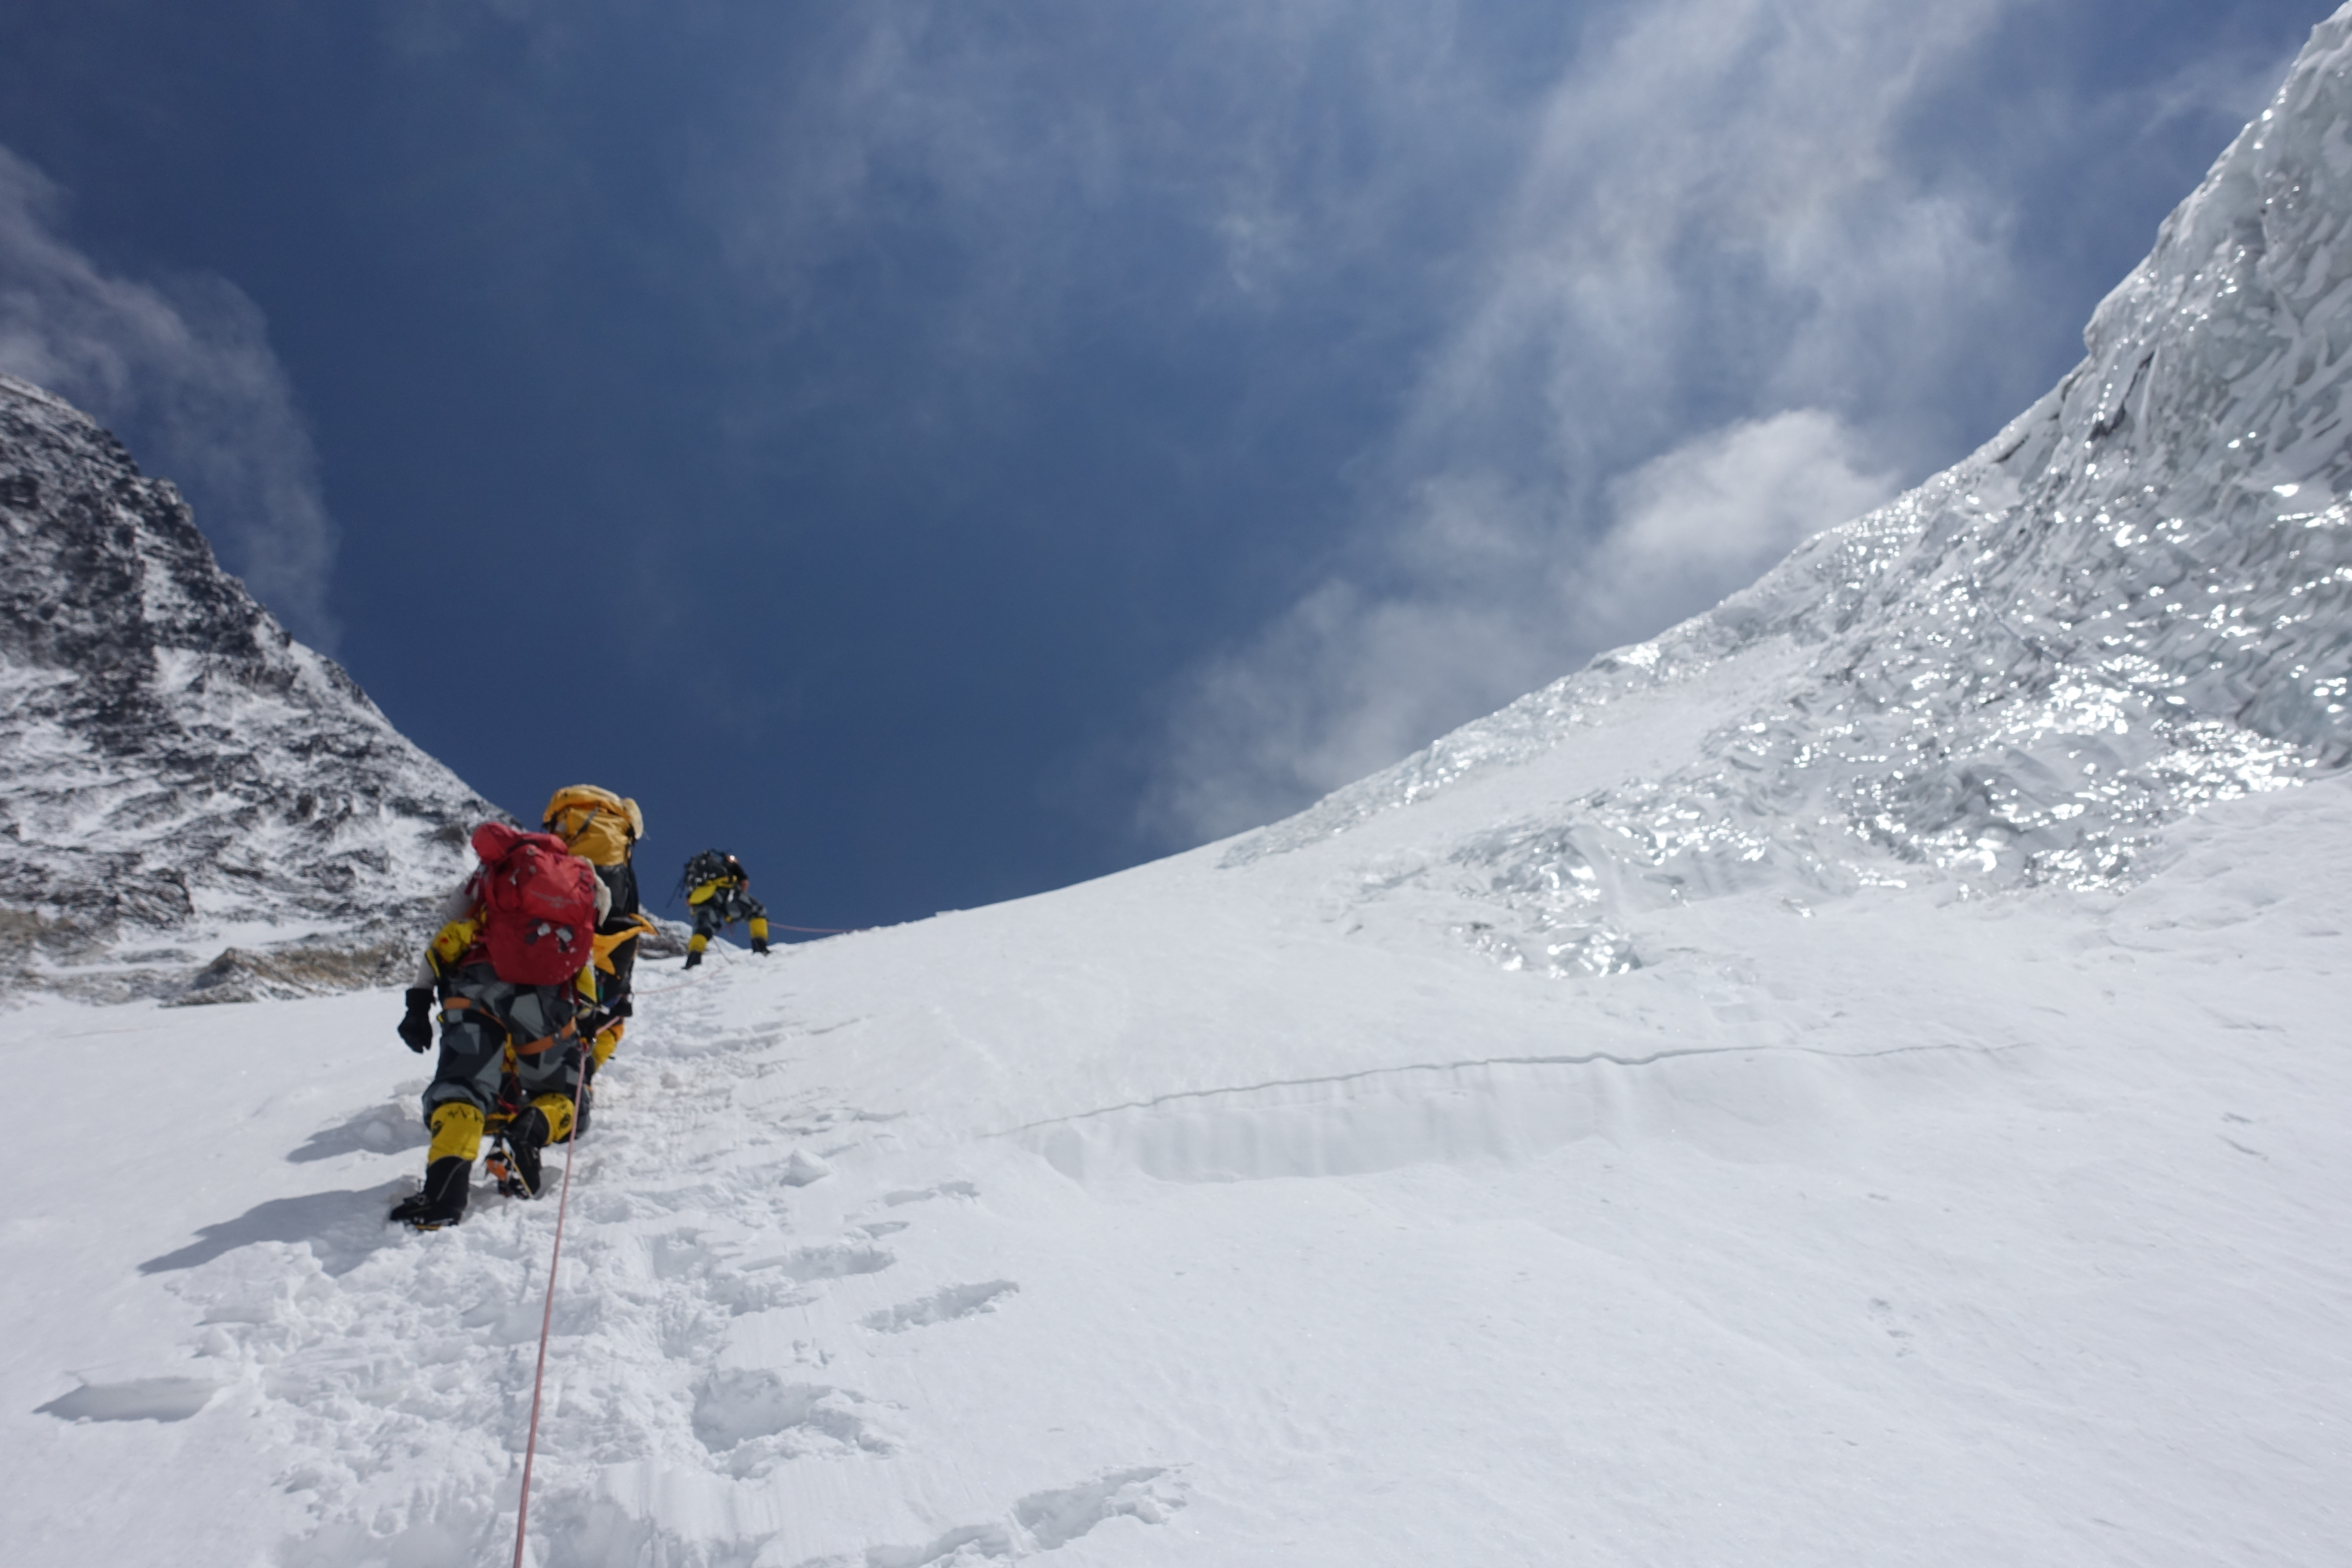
(515, 1170)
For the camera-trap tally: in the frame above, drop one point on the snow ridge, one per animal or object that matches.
(2137, 599)
(176, 769)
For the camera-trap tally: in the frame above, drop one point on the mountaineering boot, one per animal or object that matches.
(515, 1167)
(516, 1163)
(449, 1167)
(442, 1199)
(693, 957)
(546, 1119)
(499, 1166)
(760, 937)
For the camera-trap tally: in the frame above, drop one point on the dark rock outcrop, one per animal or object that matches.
(176, 772)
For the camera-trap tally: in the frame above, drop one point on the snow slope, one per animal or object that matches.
(2135, 599)
(1856, 1080)
(1159, 1222)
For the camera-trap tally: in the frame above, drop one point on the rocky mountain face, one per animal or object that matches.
(192, 804)
(2137, 599)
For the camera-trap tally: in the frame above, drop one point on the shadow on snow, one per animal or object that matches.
(341, 1227)
(380, 1130)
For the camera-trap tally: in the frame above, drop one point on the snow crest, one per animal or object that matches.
(2136, 600)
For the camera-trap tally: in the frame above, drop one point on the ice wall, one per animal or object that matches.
(2137, 599)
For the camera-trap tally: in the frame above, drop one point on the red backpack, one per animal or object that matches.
(538, 904)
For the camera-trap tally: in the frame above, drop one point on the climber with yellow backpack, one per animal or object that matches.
(602, 828)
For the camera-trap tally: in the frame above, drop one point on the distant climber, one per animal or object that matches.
(508, 968)
(718, 894)
(602, 828)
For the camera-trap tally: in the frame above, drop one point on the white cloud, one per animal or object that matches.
(1350, 681)
(1632, 222)
(185, 372)
(1712, 229)
(1706, 518)
(1226, 155)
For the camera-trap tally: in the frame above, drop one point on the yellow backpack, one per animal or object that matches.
(601, 826)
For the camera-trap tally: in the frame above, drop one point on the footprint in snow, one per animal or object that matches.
(801, 1169)
(1039, 1523)
(941, 1307)
(925, 1195)
(750, 1421)
(838, 1260)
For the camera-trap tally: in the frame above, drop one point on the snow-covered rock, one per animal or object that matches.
(176, 772)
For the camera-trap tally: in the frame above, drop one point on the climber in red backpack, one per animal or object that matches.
(505, 968)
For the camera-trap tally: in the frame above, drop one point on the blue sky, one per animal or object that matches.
(964, 447)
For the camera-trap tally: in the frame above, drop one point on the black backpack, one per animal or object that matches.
(623, 881)
(708, 867)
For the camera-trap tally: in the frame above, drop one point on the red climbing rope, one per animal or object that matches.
(547, 1317)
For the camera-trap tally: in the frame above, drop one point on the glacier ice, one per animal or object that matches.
(2135, 600)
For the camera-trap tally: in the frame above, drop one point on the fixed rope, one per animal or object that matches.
(547, 1317)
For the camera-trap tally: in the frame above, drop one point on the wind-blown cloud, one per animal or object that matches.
(1713, 230)
(1350, 679)
(185, 372)
(1616, 300)
(1013, 176)
(1706, 518)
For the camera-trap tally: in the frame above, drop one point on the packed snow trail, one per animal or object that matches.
(1909, 1231)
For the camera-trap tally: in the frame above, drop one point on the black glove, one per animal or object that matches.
(416, 1029)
